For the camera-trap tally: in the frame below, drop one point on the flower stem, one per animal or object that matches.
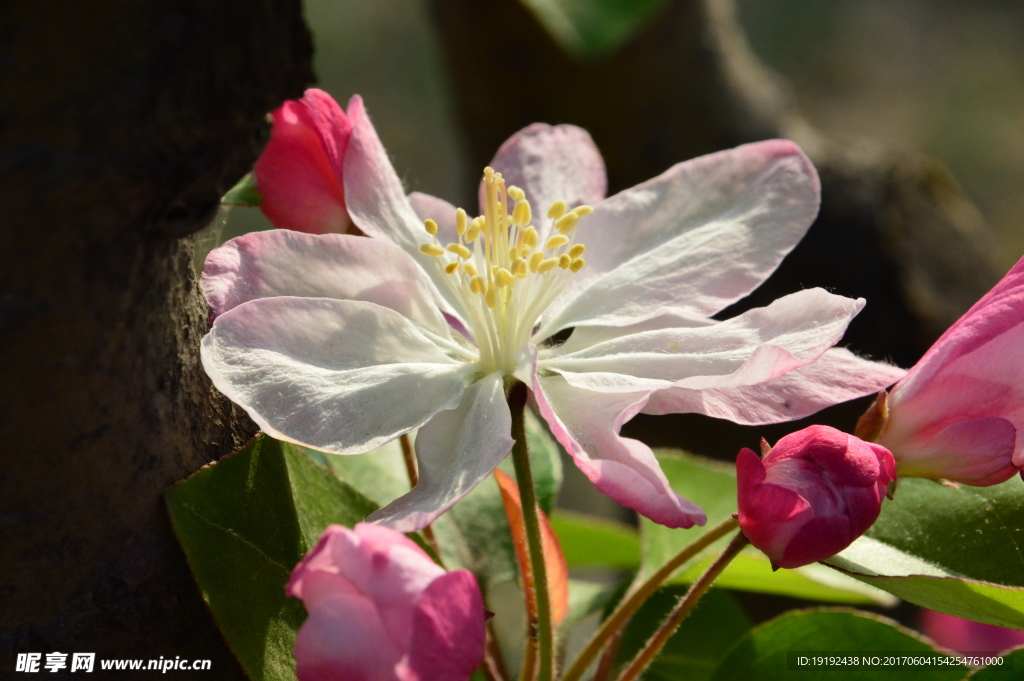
(414, 478)
(539, 622)
(638, 594)
(682, 609)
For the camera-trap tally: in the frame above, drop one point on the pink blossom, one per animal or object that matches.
(967, 636)
(814, 493)
(381, 610)
(299, 173)
(344, 343)
(959, 413)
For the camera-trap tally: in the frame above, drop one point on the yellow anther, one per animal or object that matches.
(577, 264)
(491, 297)
(433, 250)
(519, 267)
(522, 214)
(564, 261)
(557, 210)
(556, 241)
(474, 229)
(451, 267)
(516, 193)
(460, 250)
(503, 277)
(430, 226)
(531, 237)
(477, 284)
(577, 250)
(535, 259)
(583, 210)
(508, 221)
(567, 223)
(547, 265)
(460, 221)
(470, 269)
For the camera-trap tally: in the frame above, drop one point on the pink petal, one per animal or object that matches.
(838, 376)
(975, 452)
(285, 263)
(552, 163)
(344, 638)
(448, 631)
(299, 173)
(692, 241)
(456, 449)
(587, 424)
(754, 347)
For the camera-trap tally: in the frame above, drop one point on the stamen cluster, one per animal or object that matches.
(498, 273)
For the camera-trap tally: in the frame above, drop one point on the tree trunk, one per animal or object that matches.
(892, 229)
(121, 125)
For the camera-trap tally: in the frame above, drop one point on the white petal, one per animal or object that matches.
(456, 450)
(285, 263)
(376, 201)
(692, 241)
(754, 347)
(838, 376)
(552, 163)
(587, 423)
(337, 375)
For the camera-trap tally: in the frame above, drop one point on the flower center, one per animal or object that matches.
(498, 271)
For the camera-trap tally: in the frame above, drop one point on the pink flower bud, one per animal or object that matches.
(966, 636)
(299, 173)
(381, 610)
(959, 413)
(812, 495)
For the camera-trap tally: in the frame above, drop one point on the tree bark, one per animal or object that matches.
(121, 125)
(893, 229)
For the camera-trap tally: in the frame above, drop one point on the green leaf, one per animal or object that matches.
(589, 541)
(712, 484)
(1010, 669)
(699, 644)
(955, 550)
(593, 28)
(244, 193)
(764, 653)
(244, 522)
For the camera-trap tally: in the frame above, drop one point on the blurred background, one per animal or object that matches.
(942, 77)
(877, 80)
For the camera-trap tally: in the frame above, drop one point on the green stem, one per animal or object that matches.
(412, 469)
(638, 594)
(682, 609)
(539, 622)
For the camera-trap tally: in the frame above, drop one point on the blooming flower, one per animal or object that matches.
(814, 493)
(381, 610)
(299, 173)
(959, 412)
(344, 343)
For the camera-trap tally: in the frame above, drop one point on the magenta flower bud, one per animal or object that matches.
(959, 413)
(381, 610)
(814, 493)
(299, 173)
